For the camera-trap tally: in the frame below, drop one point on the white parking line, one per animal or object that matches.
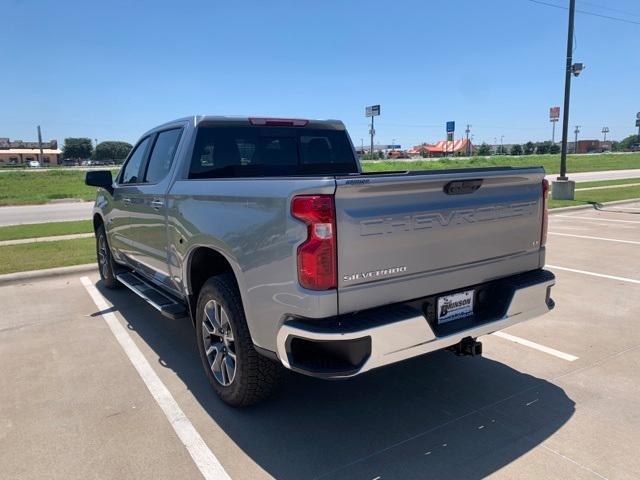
(202, 456)
(575, 217)
(594, 274)
(527, 343)
(588, 237)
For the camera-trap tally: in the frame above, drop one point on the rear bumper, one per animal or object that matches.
(348, 345)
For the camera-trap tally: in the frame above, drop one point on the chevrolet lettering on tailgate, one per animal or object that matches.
(421, 221)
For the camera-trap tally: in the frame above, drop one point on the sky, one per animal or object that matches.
(112, 70)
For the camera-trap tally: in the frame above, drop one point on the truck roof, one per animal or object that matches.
(247, 120)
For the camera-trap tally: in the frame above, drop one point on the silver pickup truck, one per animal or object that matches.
(268, 236)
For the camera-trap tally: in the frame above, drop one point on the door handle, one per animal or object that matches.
(126, 201)
(157, 204)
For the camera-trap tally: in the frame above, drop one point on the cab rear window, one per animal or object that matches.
(260, 151)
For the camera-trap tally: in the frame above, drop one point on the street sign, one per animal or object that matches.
(638, 115)
(554, 114)
(450, 137)
(372, 111)
(638, 122)
(451, 127)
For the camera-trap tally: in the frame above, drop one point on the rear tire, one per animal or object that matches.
(105, 260)
(236, 371)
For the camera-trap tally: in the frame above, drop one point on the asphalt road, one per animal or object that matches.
(51, 212)
(595, 176)
(556, 399)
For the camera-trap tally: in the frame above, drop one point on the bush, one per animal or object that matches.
(516, 149)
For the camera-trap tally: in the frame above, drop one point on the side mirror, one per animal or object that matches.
(100, 178)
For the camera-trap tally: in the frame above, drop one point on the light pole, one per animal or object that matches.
(467, 131)
(575, 145)
(495, 142)
(501, 147)
(605, 130)
(563, 188)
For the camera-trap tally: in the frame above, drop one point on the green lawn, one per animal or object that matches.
(23, 188)
(597, 196)
(37, 230)
(551, 163)
(36, 256)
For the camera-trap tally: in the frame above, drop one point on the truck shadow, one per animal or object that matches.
(436, 416)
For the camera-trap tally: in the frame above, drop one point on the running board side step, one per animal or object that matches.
(164, 303)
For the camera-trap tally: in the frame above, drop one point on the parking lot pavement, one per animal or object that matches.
(72, 405)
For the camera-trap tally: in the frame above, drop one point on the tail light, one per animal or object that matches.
(545, 212)
(317, 268)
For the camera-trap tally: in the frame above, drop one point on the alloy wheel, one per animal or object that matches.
(219, 343)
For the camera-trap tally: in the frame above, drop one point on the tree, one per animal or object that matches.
(543, 148)
(554, 149)
(112, 150)
(78, 148)
(529, 148)
(516, 149)
(628, 142)
(484, 150)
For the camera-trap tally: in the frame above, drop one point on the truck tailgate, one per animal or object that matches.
(406, 236)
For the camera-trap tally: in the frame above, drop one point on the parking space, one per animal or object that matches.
(73, 405)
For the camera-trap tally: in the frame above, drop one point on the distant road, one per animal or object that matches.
(51, 212)
(59, 212)
(595, 176)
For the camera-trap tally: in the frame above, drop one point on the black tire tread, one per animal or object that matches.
(257, 376)
(109, 281)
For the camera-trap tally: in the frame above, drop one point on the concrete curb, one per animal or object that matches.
(591, 207)
(18, 277)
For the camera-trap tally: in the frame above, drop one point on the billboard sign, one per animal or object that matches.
(372, 111)
(554, 114)
(451, 127)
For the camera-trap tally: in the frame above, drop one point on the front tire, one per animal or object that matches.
(105, 260)
(238, 374)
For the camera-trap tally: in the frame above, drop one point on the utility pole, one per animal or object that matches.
(467, 131)
(40, 144)
(575, 145)
(605, 130)
(501, 147)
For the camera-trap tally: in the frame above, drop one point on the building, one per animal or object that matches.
(443, 148)
(17, 152)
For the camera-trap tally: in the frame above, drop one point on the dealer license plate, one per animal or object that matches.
(455, 306)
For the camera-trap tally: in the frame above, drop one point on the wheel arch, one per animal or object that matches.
(204, 262)
(98, 221)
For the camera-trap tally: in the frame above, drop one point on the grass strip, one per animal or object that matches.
(37, 230)
(37, 256)
(551, 163)
(31, 188)
(598, 196)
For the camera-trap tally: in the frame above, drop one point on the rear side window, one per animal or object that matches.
(260, 151)
(164, 149)
(131, 170)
